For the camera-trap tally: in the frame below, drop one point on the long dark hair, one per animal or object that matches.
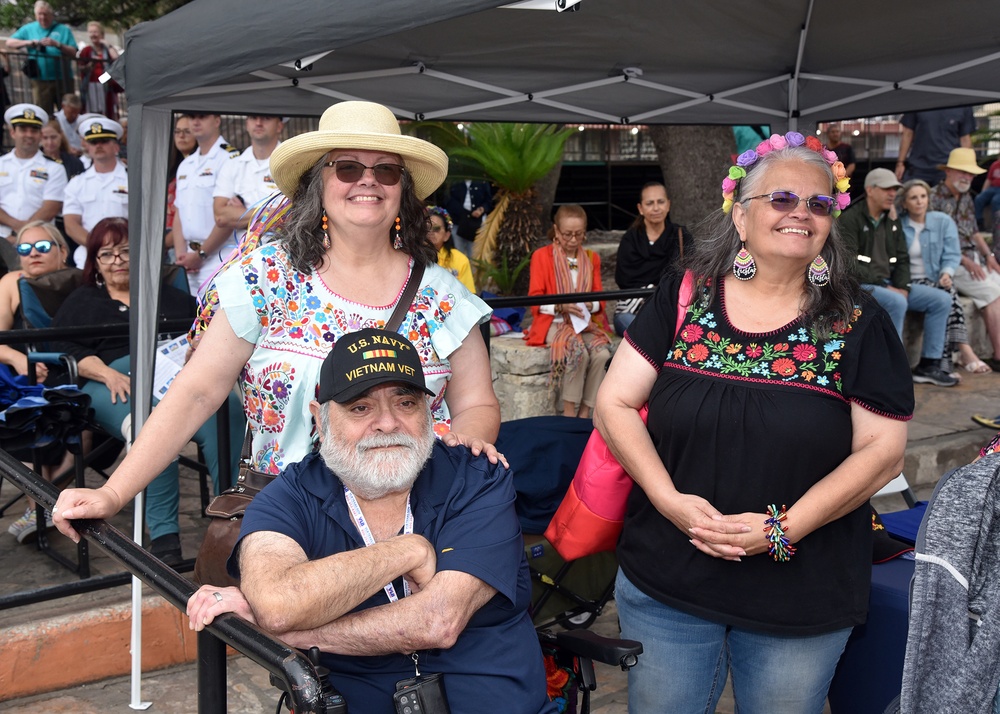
(114, 230)
(718, 242)
(302, 233)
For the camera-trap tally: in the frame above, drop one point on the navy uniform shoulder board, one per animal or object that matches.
(232, 150)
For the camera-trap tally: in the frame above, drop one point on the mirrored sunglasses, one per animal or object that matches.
(786, 202)
(349, 171)
(42, 246)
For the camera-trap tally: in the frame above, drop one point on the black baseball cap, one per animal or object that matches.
(366, 358)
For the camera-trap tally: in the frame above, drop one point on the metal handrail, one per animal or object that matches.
(291, 665)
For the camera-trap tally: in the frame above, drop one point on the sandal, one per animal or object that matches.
(977, 367)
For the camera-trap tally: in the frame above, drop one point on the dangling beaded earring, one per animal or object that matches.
(397, 242)
(325, 225)
(744, 267)
(819, 272)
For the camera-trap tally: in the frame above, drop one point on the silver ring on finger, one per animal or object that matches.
(218, 596)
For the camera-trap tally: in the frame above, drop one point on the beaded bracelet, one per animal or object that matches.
(780, 549)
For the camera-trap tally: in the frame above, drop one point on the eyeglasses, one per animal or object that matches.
(182, 132)
(575, 235)
(786, 202)
(42, 246)
(349, 171)
(107, 257)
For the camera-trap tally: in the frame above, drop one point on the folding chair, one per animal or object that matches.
(903, 524)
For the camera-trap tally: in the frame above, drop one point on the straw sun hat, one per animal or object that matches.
(962, 159)
(358, 125)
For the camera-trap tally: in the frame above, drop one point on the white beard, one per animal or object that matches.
(371, 472)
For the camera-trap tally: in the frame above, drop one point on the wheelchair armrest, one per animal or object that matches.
(67, 360)
(583, 643)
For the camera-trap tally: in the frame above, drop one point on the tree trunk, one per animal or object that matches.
(546, 190)
(694, 160)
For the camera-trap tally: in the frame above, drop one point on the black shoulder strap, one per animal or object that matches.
(396, 319)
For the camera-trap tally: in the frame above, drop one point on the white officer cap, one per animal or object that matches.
(26, 115)
(100, 127)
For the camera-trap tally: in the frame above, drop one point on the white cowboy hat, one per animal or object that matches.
(358, 125)
(962, 160)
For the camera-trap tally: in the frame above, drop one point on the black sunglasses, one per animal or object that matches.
(786, 201)
(42, 246)
(349, 171)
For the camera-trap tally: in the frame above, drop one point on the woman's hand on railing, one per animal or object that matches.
(76, 503)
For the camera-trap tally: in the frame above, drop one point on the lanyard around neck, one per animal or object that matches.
(369, 539)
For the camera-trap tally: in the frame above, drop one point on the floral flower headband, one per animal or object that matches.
(775, 143)
(442, 214)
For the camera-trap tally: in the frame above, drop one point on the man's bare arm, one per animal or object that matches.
(432, 618)
(287, 591)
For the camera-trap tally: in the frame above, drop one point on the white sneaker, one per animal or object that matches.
(26, 527)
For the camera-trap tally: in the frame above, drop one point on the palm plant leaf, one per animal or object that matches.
(514, 156)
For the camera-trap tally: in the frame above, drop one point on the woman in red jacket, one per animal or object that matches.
(577, 332)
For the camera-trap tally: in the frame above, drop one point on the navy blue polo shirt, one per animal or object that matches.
(464, 506)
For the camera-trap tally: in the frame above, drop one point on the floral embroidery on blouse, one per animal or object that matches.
(992, 447)
(793, 354)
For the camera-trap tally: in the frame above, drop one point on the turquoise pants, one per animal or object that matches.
(163, 494)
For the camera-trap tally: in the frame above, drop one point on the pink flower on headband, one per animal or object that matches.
(831, 157)
(728, 185)
(777, 141)
(763, 147)
(843, 200)
(747, 158)
(794, 138)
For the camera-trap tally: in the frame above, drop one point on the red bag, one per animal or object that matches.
(590, 517)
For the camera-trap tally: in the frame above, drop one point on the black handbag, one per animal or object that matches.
(30, 68)
(227, 509)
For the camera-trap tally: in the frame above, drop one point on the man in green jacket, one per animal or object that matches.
(876, 247)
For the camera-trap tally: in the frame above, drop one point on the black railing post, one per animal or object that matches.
(212, 682)
(290, 665)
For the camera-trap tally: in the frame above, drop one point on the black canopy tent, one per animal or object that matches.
(787, 63)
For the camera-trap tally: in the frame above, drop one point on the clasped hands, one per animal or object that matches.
(729, 537)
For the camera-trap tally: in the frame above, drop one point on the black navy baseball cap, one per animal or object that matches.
(366, 358)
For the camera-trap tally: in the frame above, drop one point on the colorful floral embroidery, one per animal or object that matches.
(266, 394)
(300, 320)
(793, 355)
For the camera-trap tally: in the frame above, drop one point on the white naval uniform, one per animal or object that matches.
(94, 196)
(246, 177)
(196, 177)
(27, 183)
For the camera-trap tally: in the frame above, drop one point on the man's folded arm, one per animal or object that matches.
(287, 591)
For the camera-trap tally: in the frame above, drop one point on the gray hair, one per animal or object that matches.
(42, 5)
(717, 242)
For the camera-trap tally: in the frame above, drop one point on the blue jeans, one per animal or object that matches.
(991, 196)
(622, 321)
(163, 493)
(686, 661)
(934, 303)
